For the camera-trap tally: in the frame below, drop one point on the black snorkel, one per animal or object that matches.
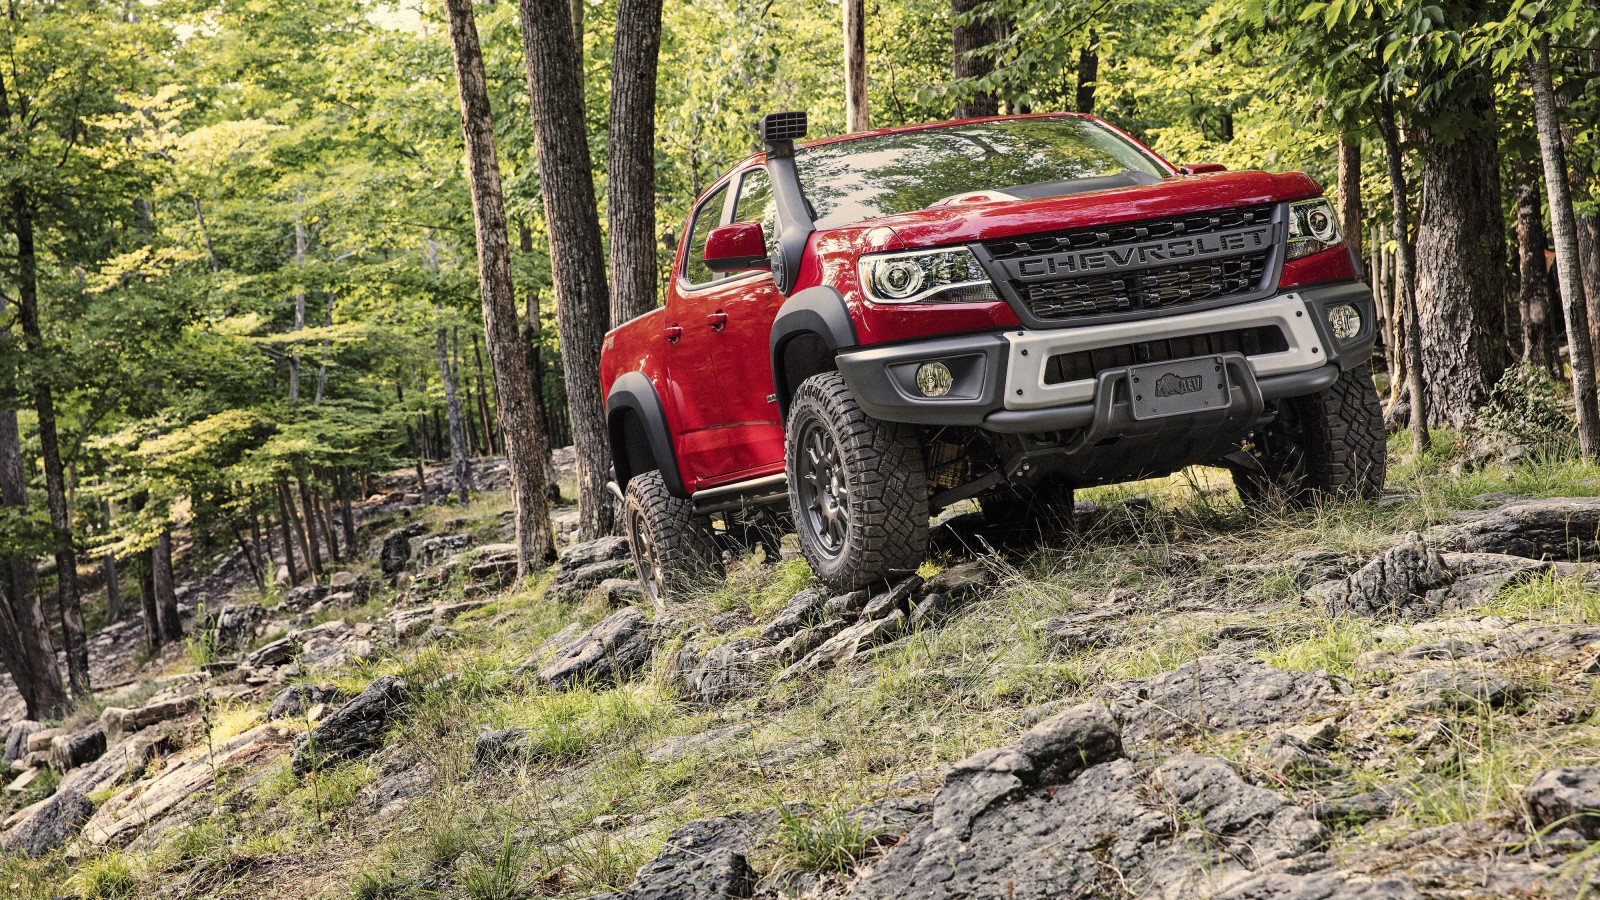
(778, 133)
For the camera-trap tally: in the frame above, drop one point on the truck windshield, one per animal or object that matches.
(895, 173)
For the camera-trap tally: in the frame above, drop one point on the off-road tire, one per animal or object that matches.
(673, 549)
(884, 481)
(1330, 445)
(1047, 506)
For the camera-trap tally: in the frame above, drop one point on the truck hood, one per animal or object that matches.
(964, 222)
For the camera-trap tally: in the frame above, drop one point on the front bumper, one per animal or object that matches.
(1004, 382)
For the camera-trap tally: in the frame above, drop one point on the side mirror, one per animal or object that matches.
(1202, 168)
(739, 247)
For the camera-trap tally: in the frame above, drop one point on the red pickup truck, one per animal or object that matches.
(862, 330)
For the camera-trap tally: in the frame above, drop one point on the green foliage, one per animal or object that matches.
(496, 875)
(828, 840)
(1529, 408)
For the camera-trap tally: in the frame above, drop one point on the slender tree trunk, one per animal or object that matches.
(1461, 285)
(1587, 227)
(460, 458)
(576, 257)
(631, 179)
(1564, 230)
(299, 300)
(973, 59)
(148, 606)
(535, 538)
(166, 595)
(68, 606)
(284, 524)
(346, 514)
(113, 590)
(26, 647)
(308, 526)
(531, 331)
(1404, 286)
(322, 367)
(325, 520)
(1350, 191)
(1088, 72)
(1540, 346)
(855, 65)
(484, 419)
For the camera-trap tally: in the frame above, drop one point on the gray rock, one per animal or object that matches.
(304, 597)
(845, 606)
(1560, 528)
(1394, 587)
(900, 597)
(933, 609)
(1450, 690)
(1569, 795)
(1320, 886)
(570, 585)
(17, 738)
(295, 699)
(962, 581)
(396, 549)
(669, 749)
(342, 581)
(1215, 693)
(703, 860)
(1356, 809)
(68, 751)
(431, 550)
(270, 656)
(354, 729)
(118, 722)
(235, 626)
(51, 824)
(600, 550)
(806, 640)
(605, 654)
(730, 671)
(802, 608)
(847, 643)
(1078, 632)
(622, 591)
(495, 749)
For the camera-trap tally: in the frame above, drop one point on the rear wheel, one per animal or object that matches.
(858, 487)
(673, 549)
(1330, 444)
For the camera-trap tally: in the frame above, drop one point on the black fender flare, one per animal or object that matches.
(819, 311)
(633, 393)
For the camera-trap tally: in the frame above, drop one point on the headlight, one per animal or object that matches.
(945, 276)
(1312, 228)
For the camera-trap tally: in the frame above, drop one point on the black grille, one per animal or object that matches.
(1082, 364)
(1155, 287)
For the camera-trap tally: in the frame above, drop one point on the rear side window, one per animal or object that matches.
(706, 217)
(756, 204)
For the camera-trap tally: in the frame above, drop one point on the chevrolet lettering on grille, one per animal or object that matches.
(1143, 256)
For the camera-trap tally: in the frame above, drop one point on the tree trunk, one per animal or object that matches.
(299, 301)
(1564, 230)
(576, 257)
(322, 367)
(26, 647)
(631, 184)
(531, 330)
(68, 606)
(330, 534)
(113, 589)
(1350, 192)
(347, 516)
(308, 550)
(1587, 227)
(285, 525)
(1088, 72)
(148, 606)
(855, 65)
(536, 546)
(489, 442)
(308, 526)
(460, 460)
(972, 60)
(1404, 290)
(1461, 284)
(166, 595)
(1540, 344)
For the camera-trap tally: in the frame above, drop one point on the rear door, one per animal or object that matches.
(719, 360)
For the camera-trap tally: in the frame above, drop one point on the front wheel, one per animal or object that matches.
(858, 487)
(673, 549)
(1330, 444)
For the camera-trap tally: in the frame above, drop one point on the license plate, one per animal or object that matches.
(1179, 387)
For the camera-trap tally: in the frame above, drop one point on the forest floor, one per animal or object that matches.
(1175, 698)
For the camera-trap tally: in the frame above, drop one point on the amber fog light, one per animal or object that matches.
(933, 379)
(1345, 322)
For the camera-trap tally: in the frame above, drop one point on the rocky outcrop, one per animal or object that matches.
(294, 700)
(354, 729)
(1215, 693)
(585, 566)
(1455, 690)
(1393, 587)
(396, 548)
(706, 859)
(605, 654)
(1567, 797)
(17, 738)
(118, 722)
(235, 626)
(49, 825)
(1562, 528)
(68, 751)
(803, 609)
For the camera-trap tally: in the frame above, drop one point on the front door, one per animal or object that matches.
(719, 359)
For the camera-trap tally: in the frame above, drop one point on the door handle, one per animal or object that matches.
(673, 333)
(718, 320)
